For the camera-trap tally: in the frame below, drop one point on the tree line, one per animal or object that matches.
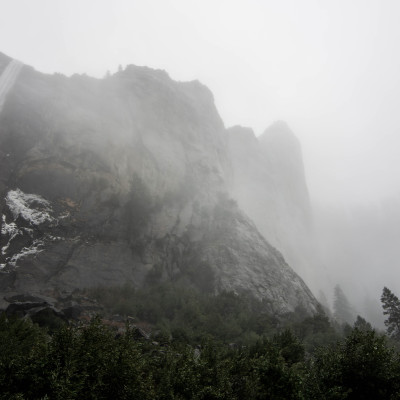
(93, 361)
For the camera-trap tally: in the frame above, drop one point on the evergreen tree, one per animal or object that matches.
(343, 312)
(391, 307)
(362, 324)
(361, 367)
(324, 302)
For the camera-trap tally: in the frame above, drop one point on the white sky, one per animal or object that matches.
(331, 69)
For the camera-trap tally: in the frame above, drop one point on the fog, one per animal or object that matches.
(328, 68)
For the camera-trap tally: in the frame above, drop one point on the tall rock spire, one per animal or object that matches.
(270, 186)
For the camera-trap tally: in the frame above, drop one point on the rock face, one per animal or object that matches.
(269, 185)
(126, 179)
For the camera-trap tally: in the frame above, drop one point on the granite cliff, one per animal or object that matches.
(270, 186)
(133, 178)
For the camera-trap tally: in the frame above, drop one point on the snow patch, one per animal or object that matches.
(65, 215)
(20, 204)
(33, 209)
(8, 229)
(54, 238)
(33, 249)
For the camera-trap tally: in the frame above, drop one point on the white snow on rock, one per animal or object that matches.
(33, 249)
(8, 229)
(35, 210)
(31, 207)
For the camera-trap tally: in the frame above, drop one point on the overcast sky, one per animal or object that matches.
(331, 69)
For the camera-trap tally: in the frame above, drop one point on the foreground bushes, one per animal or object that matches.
(92, 362)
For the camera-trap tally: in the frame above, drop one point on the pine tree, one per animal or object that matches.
(324, 302)
(343, 312)
(362, 325)
(391, 307)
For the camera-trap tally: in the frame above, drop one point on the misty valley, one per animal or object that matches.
(149, 252)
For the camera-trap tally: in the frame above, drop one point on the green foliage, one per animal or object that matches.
(315, 331)
(268, 370)
(188, 314)
(86, 362)
(93, 362)
(391, 307)
(360, 367)
(193, 357)
(290, 347)
(48, 318)
(22, 349)
(362, 325)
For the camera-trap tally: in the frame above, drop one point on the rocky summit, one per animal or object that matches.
(134, 179)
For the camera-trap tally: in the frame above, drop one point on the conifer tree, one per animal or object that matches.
(391, 307)
(343, 312)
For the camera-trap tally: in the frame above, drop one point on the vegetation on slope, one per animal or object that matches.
(94, 361)
(185, 314)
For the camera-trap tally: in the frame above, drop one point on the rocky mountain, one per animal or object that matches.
(270, 186)
(133, 178)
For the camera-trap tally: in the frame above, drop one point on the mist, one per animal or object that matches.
(329, 69)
